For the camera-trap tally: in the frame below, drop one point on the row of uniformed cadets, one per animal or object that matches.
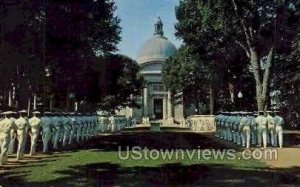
(245, 128)
(15, 125)
(62, 129)
(57, 129)
(110, 123)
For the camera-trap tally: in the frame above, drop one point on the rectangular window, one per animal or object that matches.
(157, 87)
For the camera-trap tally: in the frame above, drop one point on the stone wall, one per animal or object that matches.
(201, 123)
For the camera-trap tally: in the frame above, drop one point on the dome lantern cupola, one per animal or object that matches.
(158, 27)
(158, 48)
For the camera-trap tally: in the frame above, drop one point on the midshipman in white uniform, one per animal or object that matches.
(79, 127)
(112, 123)
(271, 127)
(245, 130)
(253, 128)
(87, 122)
(73, 130)
(279, 122)
(13, 135)
(6, 126)
(66, 123)
(22, 125)
(35, 125)
(47, 126)
(84, 126)
(57, 126)
(261, 122)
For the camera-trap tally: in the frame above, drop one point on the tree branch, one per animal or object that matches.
(254, 61)
(248, 40)
(251, 33)
(244, 47)
(267, 72)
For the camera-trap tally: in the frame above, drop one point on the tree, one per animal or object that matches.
(3, 13)
(186, 75)
(198, 28)
(265, 26)
(123, 83)
(201, 28)
(287, 82)
(19, 51)
(78, 32)
(261, 28)
(52, 47)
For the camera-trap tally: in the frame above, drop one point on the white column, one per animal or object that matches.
(170, 107)
(165, 112)
(145, 101)
(51, 104)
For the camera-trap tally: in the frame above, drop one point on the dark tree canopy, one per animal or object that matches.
(287, 84)
(78, 32)
(50, 49)
(123, 83)
(262, 30)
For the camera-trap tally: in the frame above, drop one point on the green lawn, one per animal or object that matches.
(100, 166)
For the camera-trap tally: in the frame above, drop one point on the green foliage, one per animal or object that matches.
(188, 75)
(78, 34)
(19, 54)
(66, 37)
(218, 32)
(201, 28)
(122, 82)
(287, 81)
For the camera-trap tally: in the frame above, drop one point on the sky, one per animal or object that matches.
(137, 22)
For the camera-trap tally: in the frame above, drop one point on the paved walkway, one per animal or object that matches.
(288, 163)
(289, 155)
(287, 158)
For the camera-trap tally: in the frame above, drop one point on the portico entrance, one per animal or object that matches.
(158, 108)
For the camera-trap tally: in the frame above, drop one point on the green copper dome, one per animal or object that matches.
(157, 48)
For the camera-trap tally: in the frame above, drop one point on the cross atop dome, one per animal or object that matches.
(158, 27)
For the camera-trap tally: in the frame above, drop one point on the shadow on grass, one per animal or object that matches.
(291, 139)
(108, 174)
(159, 140)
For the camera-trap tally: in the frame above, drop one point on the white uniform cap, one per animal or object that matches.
(8, 112)
(22, 111)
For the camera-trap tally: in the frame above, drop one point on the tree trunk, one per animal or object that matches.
(34, 102)
(9, 99)
(67, 102)
(28, 105)
(262, 81)
(211, 99)
(197, 107)
(50, 104)
(260, 98)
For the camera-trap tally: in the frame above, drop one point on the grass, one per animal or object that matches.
(51, 169)
(100, 166)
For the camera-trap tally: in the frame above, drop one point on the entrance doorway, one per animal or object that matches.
(158, 108)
